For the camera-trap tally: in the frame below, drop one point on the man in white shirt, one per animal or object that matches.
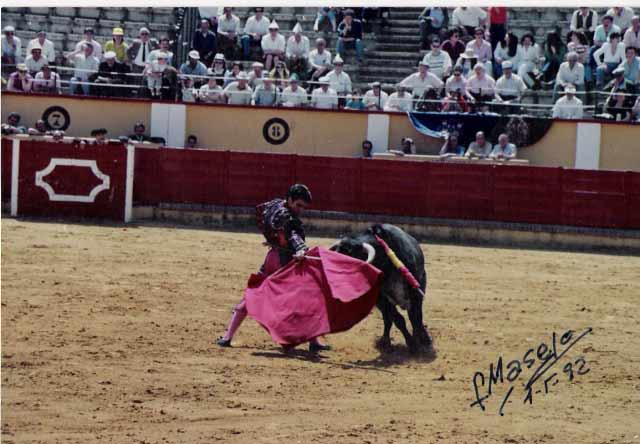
(399, 100)
(339, 80)
(481, 86)
(570, 72)
(35, 61)
(86, 65)
(419, 81)
(47, 81)
(503, 149)
(256, 26)
(297, 51)
(11, 46)
(140, 51)
(439, 61)
(324, 97)
(47, 46)
(632, 36)
(293, 96)
(319, 59)
(375, 99)
(468, 18)
(569, 106)
(228, 32)
(211, 92)
(621, 17)
(239, 92)
(510, 86)
(88, 38)
(586, 20)
(479, 148)
(273, 46)
(256, 74)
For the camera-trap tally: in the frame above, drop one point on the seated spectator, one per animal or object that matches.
(451, 147)
(506, 50)
(40, 129)
(554, 54)
(399, 100)
(497, 18)
(58, 137)
(11, 46)
(256, 75)
(350, 35)
(481, 86)
(35, 61)
(20, 80)
(325, 19)
(86, 64)
(273, 46)
(100, 136)
(239, 92)
(429, 101)
(194, 67)
(621, 17)
(256, 27)
(367, 148)
(339, 80)
(432, 23)
(165, 46)
(632, 35)
(211, 92)
(88, 38)
(154, 72)
(468, 19)
(530, 58)
(188, 92)
(570, 72)
(293, 95)
(117, 45)
(481, 49)
(192, 142)
(457, 83)
(265, 94)
(280, 74)
(219, 69)
(13, 125)
(585, 21)
(456, 102)
(111, 71)
(319, 60)
(577, 42)
(504, 149)
(47, 81)
(439, 61)
(232, 74)
(407, 146)
(631, 65)
(297, 52)
(375, 99)
(354, 101)
(140, 50)
(46, 45)
(466, 62)
(621, 96)
(608, 57)
(454, 46)
(324, 97)
(228, 32)
(569, 106)
(139, 131)
(509, 87)
(479, 148)
(604, 30)
(204, 41)
(419, 81)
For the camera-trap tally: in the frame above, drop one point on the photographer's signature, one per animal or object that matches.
(546, 356)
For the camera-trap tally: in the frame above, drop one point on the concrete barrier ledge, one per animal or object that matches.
(485, 233)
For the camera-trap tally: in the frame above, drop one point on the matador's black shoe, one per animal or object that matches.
(222, 342)
(315, 347)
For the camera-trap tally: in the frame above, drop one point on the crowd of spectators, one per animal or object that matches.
(474, 62)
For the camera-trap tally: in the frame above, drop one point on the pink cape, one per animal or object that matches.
(310, 298)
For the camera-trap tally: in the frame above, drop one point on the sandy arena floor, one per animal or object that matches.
(107, 337)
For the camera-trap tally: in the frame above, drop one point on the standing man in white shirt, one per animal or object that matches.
(569, 106)
(319, 59)
(255, 28)
(298, 51)
(419, 81)
(273, 46)
(293, 95)
(339, 80)
(324, 97)
(47, 46)
(375, 99)
(86, 65)
(88, 38)
(228, 32)
(570, 72)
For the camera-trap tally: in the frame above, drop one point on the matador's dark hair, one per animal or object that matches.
(299, 191)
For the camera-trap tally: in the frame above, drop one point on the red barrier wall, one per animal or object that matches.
(6, 169)
(458, 191)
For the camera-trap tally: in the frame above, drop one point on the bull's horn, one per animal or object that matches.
(333, 245)
(371, 252)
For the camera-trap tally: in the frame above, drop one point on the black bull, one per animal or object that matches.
(395, 290)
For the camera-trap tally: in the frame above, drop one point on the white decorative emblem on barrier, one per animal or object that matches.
(91, 197)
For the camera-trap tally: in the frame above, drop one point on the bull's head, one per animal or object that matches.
(351, 247)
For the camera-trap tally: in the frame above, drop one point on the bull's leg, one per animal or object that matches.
(420, 333)
(383, 305)
(398, 321)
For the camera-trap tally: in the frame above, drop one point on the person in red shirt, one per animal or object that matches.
(497, 25)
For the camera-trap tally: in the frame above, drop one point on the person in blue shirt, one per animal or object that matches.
(354, 101)
(451, 147)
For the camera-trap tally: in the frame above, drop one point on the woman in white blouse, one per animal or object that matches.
(530, 56)
(505, 50)
(608, 57)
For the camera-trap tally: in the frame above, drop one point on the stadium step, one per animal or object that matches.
(393, 38)
(404, 47)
